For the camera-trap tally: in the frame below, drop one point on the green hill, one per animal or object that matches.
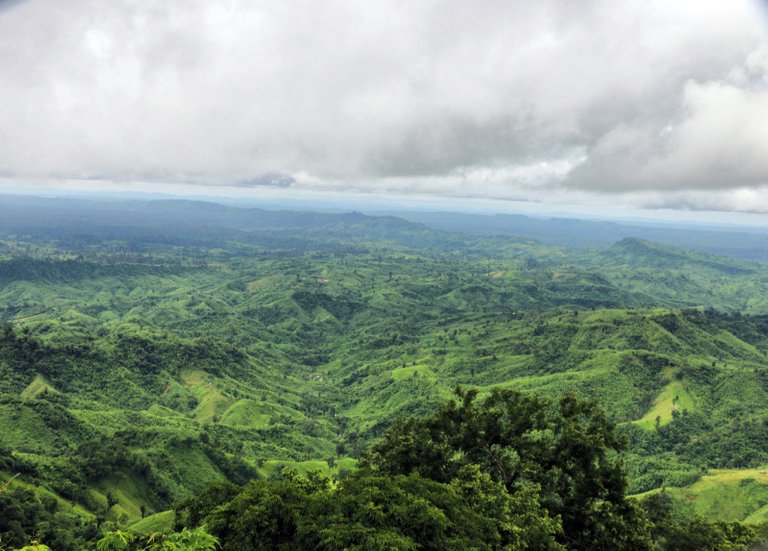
(145, 363)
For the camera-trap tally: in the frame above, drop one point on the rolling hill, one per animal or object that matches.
(142, 364)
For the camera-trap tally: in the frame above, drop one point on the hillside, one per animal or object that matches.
(736, 242)
(144, 368)
(682, 278)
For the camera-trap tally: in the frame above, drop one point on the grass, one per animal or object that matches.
(734, 494)
(211, 402)
(729, 494)
(23, 429)
(272, 468)
(401, 373)
(159, 522)
(131, 493)
(248, 413)
(38, 386)
(292, 381)
(758, 517)
(195, 470)
(674, 396)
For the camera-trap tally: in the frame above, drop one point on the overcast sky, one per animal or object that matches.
(650, 103)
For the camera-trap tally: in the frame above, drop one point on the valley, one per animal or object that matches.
(141, 361)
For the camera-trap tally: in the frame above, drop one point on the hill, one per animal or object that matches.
(737, 242)
(139, 365)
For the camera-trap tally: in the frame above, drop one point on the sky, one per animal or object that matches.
(603, 105)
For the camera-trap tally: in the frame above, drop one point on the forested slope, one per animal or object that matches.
(140, 362)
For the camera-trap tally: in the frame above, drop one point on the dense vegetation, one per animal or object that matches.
(150, 349)
(511, 471)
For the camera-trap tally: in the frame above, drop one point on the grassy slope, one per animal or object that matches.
(159, 522)
(131, 492)
(38, 386)
(735, 494)
(335, 346)
(674, 397)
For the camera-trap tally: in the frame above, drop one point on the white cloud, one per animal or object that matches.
(492, 98)
(716, 139)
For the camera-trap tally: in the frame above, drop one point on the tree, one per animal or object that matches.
(185, 540)
(111, 501)
(676, 528)
(265, 514)
(35, 546)
(341, 449)
(568, 449)
(370, 510)
(116, 541)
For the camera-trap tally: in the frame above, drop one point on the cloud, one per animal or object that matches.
(713, 141)
(745, 199)
(492, 98)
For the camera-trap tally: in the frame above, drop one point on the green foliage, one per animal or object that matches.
(35, 547)
(430, 485)
(147, 361)
(676, 529)
(568, 450)
(368, 509)
(26, 516)
(512, 470)
(196, 539)
(115, 541)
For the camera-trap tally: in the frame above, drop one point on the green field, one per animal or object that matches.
(674, 398)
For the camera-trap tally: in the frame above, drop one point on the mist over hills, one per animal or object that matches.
(746, 243)
(738, 242)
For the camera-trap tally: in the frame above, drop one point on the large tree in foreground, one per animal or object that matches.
(370, 510)
(567, 450)
(509, 471)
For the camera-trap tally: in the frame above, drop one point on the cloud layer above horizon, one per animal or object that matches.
(651, 102)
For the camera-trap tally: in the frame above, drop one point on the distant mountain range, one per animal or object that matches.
(748, 243)
(38, 214)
